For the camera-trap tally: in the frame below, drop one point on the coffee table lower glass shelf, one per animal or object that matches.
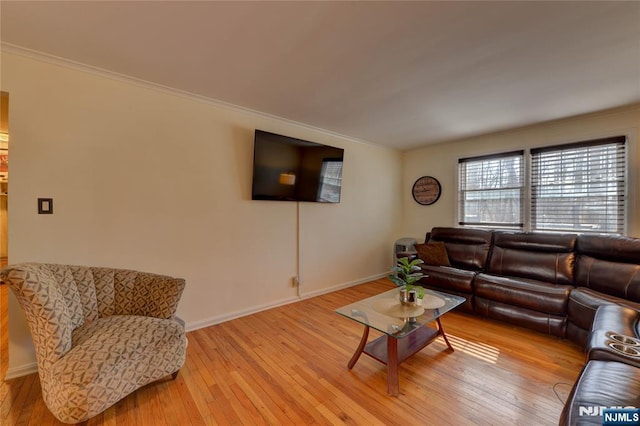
(406, 330)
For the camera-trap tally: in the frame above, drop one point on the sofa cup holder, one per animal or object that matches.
(626, 350)
(624, 340)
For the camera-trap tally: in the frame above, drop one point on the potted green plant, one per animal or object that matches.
(406, 273)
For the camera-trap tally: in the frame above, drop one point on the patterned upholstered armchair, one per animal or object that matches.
(99, 333)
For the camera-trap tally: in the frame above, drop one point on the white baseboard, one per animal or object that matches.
(343, 285)
(23, 370)
(196, 325)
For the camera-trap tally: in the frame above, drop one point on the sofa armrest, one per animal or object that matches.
(611, 322)
(619, 319)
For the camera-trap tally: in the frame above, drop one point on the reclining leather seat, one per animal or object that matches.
(468, 251)
(601, 384)
(610, 378)
(607, 272)
(528, 280)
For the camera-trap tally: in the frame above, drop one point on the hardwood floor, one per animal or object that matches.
(288, 365)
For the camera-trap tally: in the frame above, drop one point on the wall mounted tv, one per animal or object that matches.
(290, 169)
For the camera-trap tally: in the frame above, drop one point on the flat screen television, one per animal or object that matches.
(290, 169)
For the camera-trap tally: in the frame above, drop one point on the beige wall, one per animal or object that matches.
(158, 181)
(441, 161)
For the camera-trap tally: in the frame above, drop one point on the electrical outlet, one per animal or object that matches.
(295, 282)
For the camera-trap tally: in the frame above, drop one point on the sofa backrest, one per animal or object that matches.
(466, 248)
(538, 256)
(609, 264)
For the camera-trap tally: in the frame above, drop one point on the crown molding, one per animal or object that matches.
(123, 78)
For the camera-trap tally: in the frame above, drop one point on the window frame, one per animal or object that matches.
(523, 191)
(620, 155)
(526, 211)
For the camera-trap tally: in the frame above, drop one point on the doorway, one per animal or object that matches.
(4, 237)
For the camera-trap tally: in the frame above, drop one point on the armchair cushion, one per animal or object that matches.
(112, 357)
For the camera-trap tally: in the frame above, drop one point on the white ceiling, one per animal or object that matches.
(400, 74)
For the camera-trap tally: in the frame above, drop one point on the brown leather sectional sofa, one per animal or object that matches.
(585, 288)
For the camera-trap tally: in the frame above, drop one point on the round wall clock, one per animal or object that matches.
(426, 190)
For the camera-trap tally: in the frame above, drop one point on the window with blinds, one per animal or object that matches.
(491, 190)
(579, 187)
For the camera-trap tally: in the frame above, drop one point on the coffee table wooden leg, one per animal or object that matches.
(363, 343)
(444, 336)
(393, 387)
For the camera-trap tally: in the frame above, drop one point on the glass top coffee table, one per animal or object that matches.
(406, 330)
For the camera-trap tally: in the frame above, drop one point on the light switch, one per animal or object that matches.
(45, 205)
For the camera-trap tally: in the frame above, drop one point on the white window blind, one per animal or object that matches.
(491, 190)
(579, 187)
